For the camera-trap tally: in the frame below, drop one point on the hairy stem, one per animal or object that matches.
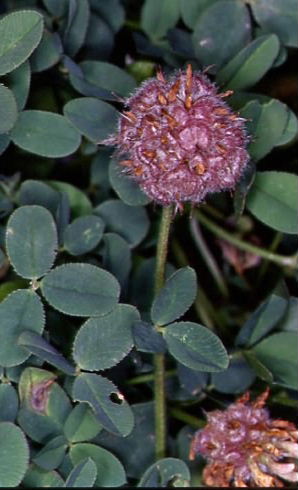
(159, 359)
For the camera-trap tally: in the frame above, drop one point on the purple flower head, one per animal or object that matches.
(244, 447)
(180, 140)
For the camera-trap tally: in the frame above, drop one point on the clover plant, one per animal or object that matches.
(148, 234)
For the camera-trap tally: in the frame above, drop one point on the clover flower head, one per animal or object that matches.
(244, 447)
(179, 139)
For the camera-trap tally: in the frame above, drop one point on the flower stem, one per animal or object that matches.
(282, 260)
(159, 359)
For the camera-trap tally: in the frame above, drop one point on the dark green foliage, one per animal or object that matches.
(83, 475)
(109, 406)
(273, 199)
(79, 317)
(14, 455)
(97, 293)
(168, 470)
(196, 347)
(175, 298)
(31, 241)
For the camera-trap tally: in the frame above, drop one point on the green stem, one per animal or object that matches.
(146, 378)
(282, 260)
(159, 359)
(208, 257)
(162, 247)
(274, 245)
(179, 414)
(200, 307)
(203, 307)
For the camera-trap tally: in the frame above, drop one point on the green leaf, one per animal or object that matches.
(83, 234)
(112, 12)
(191, 10)
(262, 321)
(21, 310)
(45, 405)
(268, 127)
(250, 64)
(289, 321)
(103, 342)
(4, 142)
(273, 200)
(46, 134)
(79, 202)
(242, 189)
(34, 388)
(96, 292)
(37, 192)
(290, 132)
(100, 37)
(38, 346)
(251, 111)
(8, 109)
(110, 472)
(31, 241)
(148, 339)
(62, 216)
(258, 367)
(176, 297)
(20, 34)
(279, 354)
(143, 280)
(196, 347)
(9, 403)
(191, 382)
(237, 378)
(76, 73)
(126, 187)
(225, 20)
(52, 454)
(48, 52)
(99, 173)
(83, 474)
(18, 81)
(131, 223)
(135, 451)
(158, 17)
(6, 208)
(14, 455)
(109, 406)
(116, 256)
(166, 471)
(94, 118)
(76, 26)
(81, 424)
(103, 75)
(56, 7)
(39, 478)
(278, 17)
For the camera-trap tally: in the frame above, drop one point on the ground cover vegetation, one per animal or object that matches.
(148, 243)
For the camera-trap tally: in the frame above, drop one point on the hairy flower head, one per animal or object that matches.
(180, 140)
(244, 447)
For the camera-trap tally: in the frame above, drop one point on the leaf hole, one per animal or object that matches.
(117, 398)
